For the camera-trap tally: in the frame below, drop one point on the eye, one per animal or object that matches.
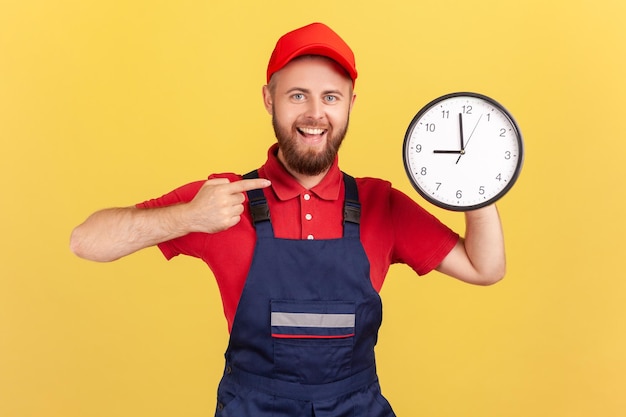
(298, 96)
(330, 99)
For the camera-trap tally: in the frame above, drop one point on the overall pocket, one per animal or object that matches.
(313, 340)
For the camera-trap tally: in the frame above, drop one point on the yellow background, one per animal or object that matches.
(107, 103)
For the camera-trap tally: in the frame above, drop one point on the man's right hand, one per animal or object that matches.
(218, 205)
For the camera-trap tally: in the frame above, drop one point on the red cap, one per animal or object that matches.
(313, 39)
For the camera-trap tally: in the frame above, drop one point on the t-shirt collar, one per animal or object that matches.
(286, 187)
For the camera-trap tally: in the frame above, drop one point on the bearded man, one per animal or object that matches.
(299, 249)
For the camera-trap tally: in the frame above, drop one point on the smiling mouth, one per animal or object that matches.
(311, 131)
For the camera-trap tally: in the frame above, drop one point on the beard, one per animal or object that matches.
(308, 161)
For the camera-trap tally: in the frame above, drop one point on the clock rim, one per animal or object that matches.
(428, 197)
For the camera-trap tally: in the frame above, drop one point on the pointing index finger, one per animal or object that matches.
(249, 184)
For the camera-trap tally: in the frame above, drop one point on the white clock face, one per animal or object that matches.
(463, 151)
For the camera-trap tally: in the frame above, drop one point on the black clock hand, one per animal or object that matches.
(462, 150)
(470, 138)
(446, 151)
(461, 131)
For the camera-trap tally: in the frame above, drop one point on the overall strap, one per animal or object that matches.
(351, 207)
(259, 209)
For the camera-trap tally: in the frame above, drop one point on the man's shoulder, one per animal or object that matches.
(371, 184)
(380, 192)
(229, 175)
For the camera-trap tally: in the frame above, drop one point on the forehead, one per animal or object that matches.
(312, 69)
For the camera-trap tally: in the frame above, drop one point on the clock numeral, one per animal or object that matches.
(488, 117)
(459, 194)
(445, 114)
(430, 127)
(467, 109)
(507, 155)
(423, 171)
(418, 148)
(503, 133)
(499, 177)
(481, 190)
(438, 185)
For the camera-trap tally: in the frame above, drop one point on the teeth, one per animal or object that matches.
(311, 131)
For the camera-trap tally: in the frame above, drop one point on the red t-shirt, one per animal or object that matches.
(394, 229)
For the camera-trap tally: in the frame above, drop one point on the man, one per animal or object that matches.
(298, 248)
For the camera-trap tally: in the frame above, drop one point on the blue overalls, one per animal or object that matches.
(302, 342)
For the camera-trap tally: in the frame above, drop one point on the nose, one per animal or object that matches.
(315, 110)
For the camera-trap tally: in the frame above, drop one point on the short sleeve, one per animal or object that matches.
(421, 240)
(189, 244)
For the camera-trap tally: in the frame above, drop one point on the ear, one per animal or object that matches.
(267, 99)
(352, 101)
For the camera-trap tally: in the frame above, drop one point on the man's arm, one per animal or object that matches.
(110, 234)
(479, 258)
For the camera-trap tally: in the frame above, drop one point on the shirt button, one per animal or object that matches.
(307, 197)
(310, 237)
(308, 216)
